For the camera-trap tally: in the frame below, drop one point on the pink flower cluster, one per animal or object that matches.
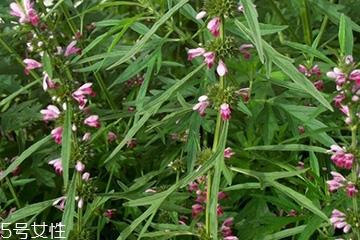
(209, 59)
(348, 87)
(202, 105)
(338, 220)
(341, 158)
(198, 187)
(226, 230)
(25, 12)
(314, 73)
(80, 95)
(338, 182)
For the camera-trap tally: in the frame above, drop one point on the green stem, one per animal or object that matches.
(305, 19)
(11, 188)
(354, 174)
(215, 145)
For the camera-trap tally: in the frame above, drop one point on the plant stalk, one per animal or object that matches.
(215, 145)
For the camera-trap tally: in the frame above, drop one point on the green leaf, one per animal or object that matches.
(215, 185)
(27, 153)
(346, 38)
(311, 51)
(287, 147)
(69, 211)
(27, 211)
(151, 109)
(252, 19)
(285, 64)
(331, 10)
(299, 198)
(139, 45)
(47, 64)
(285, 233)
(66, 144)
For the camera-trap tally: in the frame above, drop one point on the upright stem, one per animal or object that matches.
(11, 188)
(355, 175)
(215, 144)
(305, 18)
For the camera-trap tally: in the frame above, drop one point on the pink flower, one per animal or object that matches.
(209, 59)
(338, 220)
(225, 111)
(319, 85)
(202, 105)
(339, 77)
(201, 196)
(86, 137)
(219, 211)
(221, 68)
(31, 64)
(228, 222)
(231, 238)
(132, 143)
(80, 167)
(86, 176)
(110, 213)
(71, 49)
(338, 99)
(50, 113)
(244, 93)
(80, 201)
(193, 187)
(292, 213)
(195, 52)
(56, 163)
(57, 134)
(226, 227)
(196, 209)
(349, 59)
(111, 137)
(201, 15)
(25, 13)
(355, 76)
(222, 195)
(336, 182)
(351, 190)
(244, 49)
(340, 158)
(85, 89)
(47, 82)
(183, 219)
(80, 94)
(60, 203)
(18, 11)
(214, 26)
(304, 70)
(92, 121)
(345, 110)
(315, 70)
(228, 152)
(241, 8)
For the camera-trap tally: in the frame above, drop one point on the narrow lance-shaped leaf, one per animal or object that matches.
(69, 211)
(66, 144)
(27, 153)
(138, 46)
(346, 38)
(151, 109)
(27, 211)
(252, 19)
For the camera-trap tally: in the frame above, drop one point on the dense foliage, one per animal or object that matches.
(179, 119)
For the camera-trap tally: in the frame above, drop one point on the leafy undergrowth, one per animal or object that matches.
(179, 119)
